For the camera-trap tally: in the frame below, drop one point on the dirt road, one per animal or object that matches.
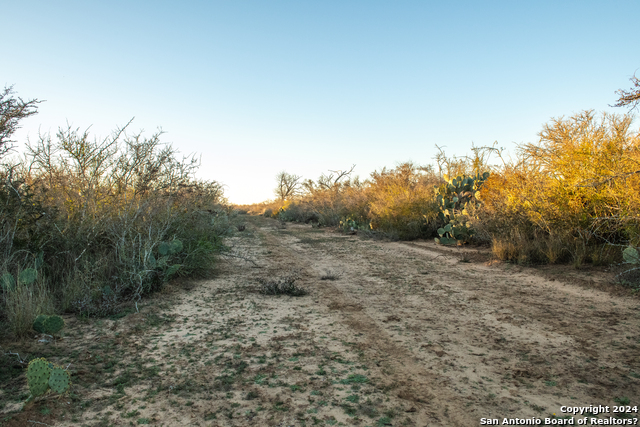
(390, 333)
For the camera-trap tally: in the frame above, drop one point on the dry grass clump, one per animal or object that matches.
(330, 275)
(282, 285)
(24, 304)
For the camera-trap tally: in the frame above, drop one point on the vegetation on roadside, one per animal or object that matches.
(571, 197)
(86, 224)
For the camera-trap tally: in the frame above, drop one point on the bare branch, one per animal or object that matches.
(12, 110)
(609, 179)
(332, 180)
(341, 174)
(629, 97)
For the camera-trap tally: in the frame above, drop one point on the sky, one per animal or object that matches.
(257, 87)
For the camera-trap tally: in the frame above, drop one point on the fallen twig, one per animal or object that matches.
(20, 360)
(242, 258)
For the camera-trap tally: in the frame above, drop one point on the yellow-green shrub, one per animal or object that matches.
(401, 201)
(575, 188)
(398, 202)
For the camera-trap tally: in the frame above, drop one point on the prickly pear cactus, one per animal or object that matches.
(170, 248)
(152, 261)
(453, 198)
(28, 276)
(38, 324)
(59, 380)
(162, 263)
(38, 373)
(176, 246)
(53, 324)
(164, 248)
(39, 261)
(172, 270)
(631, 256)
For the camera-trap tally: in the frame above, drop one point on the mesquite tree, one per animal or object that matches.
(12, 110)
(287, 185)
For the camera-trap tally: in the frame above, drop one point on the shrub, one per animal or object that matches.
(330, 275)
(570, 197)
(95, 214)
(401, 201)
(569, 194)
(396, 202)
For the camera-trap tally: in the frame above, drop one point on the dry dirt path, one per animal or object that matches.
(461, 341)
(404, 334)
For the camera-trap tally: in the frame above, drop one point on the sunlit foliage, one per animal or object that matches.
(91, 217)
(572, 196)
(571, 192)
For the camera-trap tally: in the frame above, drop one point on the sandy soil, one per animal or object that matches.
(390, 333)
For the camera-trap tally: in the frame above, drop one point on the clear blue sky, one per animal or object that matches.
(257, 87)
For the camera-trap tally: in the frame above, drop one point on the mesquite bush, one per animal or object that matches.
(95, 213)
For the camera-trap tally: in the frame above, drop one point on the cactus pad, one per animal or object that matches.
(39, 260)
(152, 261)
(38, 324)
(176, 246)
(631, 256)
(173, 270)
(53, 324)
(38, 373)
(28, 276)
(59, 380)
(164, 248)
(170, 248)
